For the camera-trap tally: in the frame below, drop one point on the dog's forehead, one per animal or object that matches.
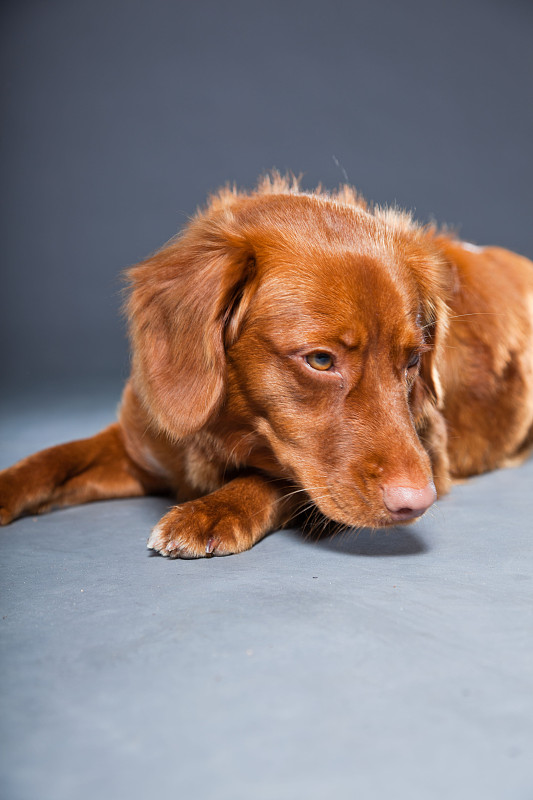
(347, 291)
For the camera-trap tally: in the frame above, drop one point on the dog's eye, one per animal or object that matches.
(414, 361)
(320, 360)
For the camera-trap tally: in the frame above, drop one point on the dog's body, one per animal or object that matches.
(293, 350)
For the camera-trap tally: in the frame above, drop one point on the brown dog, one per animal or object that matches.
(294, 349)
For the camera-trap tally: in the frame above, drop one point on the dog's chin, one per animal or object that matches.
(341, 511)
(338, 510)
(393, 523)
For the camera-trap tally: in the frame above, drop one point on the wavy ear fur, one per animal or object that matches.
(435, 335)
(181, 301)
(434, 280)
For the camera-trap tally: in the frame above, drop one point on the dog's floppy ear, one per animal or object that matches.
(181, 300)
(435, 328)
(434, 280)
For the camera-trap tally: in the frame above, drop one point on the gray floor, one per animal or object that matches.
(391, 665)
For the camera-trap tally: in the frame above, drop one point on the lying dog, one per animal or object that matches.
(294, 349)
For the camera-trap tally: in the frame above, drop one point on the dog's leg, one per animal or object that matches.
(98, 468)
(229, 520)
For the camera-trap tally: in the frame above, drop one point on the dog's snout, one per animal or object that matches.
(406, 502)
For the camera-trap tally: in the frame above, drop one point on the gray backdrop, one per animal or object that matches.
(120, 116)
(368, 666)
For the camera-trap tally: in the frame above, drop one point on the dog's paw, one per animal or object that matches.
(199, 529)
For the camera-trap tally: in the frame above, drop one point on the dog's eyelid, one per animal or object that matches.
(413, 355)
(320, 362)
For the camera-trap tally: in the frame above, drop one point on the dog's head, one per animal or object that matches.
(311, 325)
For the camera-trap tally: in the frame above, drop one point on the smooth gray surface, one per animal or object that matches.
(393, 665)
(385, 666)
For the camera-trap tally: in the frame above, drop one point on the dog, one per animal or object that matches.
(296, 350)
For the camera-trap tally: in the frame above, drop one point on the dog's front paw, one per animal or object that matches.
(200, 529)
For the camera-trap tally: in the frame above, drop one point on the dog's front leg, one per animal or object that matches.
(229, 520)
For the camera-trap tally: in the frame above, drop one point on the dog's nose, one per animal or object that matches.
(405, 502)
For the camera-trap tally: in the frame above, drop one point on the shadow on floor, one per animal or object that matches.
(397, 541)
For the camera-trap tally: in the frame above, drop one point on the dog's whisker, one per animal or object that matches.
(476, 314)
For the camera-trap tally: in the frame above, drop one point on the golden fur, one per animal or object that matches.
(293, 349)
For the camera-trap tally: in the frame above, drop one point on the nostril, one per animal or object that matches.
(407, 502)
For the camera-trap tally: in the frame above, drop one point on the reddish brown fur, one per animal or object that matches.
(224, 409)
